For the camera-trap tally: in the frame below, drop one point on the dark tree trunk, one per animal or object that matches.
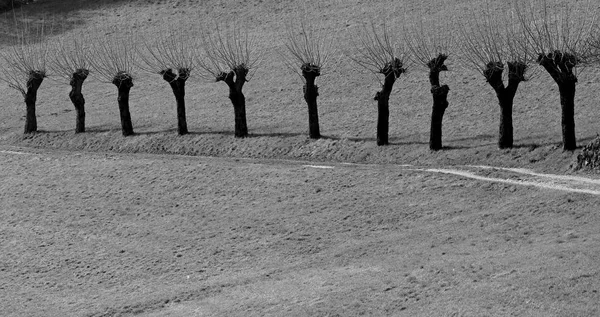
(33, 84)
(560, 66)
(124, 82)
(383, 109)
(77, 79)
(440, 101)
(177, 83)
(567, 103)
(311, 91)
(506, 96)
(391, 71)
(235, 79)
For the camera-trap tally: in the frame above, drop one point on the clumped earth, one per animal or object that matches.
(589, 158)
(94, 225)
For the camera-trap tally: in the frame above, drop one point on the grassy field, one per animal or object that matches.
(350, 241)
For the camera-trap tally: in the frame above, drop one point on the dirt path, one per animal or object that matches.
(89, 234)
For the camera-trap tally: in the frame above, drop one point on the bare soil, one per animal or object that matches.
(121, 235)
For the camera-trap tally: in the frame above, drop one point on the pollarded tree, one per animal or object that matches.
(171, 54)
(71, 60)
(430, 44)
(492, 42)
(309, 51)
(23, 66)
(559, 32)
(114, 59)
(377, 52)
(230, 56)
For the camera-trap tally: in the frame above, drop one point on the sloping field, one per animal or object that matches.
(277, 114)
(96, 224)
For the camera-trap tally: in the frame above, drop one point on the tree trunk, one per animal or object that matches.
(383, 109)
(77, 79)
(311, 91)
(506, 96)
(177, 83)
(560, 66)
(235, 79)
(440, 101)
(124, 82)
(33, 84)
(567, 103)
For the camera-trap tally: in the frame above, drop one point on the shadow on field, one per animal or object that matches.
(55, 16)
(59, 7)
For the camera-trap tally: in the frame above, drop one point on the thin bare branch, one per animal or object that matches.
(113, 55)
(560, 26)
(226, 50)
(27, 57)
(307, 47)
(175, 49)
(376, 51)
(491, 36)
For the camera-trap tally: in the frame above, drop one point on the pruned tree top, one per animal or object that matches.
(378, 52)
(174, 49)
(227, 49)
(427, 35)
(27, 57)
(113, 55)
(71, 54)
(491, 35)
(559, 26)
(308, 49)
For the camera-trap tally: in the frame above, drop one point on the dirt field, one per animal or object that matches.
(119, 235)
(276, 224)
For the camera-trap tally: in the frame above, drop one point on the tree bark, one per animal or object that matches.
(567, 103)
(440, 101)
(177, 83)
(124, 82)
(383, 109)
(560, 66)
(311, 91)
(235, 79)
(33, 84)
(391, 71)
(506, 96)
(77, 79)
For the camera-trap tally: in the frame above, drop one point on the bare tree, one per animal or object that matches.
(171, 54)
(71, 60)
(114, 58)
(492, 42)
(23, 66)
(308, 50)
(231, 56)
(430, 44)
(559, 32)
(377, 52)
